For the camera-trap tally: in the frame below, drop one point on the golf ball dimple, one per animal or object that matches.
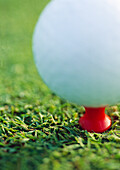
(76, 46)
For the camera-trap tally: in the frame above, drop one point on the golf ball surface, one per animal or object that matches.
(76, 46)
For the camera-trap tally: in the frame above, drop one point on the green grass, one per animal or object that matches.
(38, 130)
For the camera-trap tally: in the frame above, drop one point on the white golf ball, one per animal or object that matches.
(76, 46)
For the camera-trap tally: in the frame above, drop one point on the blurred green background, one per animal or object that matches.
(17, 68)
(38, 130)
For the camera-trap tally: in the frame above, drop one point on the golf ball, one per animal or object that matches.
(76, 46)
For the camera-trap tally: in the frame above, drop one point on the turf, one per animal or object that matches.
(38, 130)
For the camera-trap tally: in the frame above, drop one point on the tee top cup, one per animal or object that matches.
(76, 46)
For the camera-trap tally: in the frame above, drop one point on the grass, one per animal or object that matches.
(38, 130)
